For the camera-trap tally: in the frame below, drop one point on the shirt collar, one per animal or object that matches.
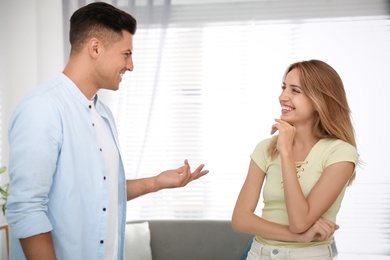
(76, 92)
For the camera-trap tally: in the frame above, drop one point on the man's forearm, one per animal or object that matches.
(38, 247)
(139, 187)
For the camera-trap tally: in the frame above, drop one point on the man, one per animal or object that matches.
(68, 188)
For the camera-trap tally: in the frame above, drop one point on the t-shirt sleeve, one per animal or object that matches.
(260, 155)
(341, 151)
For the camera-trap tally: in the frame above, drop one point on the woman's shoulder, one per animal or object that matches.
(266, 141)
(336, 150)
(263, 144)
(333, 143)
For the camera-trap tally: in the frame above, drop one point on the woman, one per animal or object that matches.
(306, 168)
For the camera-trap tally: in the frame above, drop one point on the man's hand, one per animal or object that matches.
(179, 177)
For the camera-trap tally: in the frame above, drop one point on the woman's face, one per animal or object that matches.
(296, 106)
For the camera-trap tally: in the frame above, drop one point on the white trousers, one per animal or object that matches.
(260, 251)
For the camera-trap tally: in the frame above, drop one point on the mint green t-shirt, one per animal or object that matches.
(324, 153)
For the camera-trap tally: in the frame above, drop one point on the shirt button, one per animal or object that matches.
(90, 106)
(104, 209)
(101, 241)
(101, 149)
(275, 251)
(93, 124)
(104, 178)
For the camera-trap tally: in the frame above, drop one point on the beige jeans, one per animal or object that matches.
(260, 251)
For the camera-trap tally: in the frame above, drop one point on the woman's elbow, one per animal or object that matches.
(298, 228)
(237, 222)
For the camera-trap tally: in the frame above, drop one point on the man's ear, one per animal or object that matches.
(94, 47)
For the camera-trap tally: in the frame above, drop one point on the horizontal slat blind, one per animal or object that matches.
(205, 87)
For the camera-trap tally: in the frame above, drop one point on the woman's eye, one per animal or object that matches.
(296, 91)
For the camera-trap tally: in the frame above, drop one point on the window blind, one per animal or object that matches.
(205, 88)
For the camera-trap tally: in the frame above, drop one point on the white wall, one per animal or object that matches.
(31, 52)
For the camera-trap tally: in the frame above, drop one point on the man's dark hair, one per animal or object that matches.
(100, 20)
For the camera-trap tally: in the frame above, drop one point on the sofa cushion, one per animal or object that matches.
(196, 240)
(137, 242)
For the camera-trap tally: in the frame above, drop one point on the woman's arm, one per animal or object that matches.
(244, 220)
(304, 212)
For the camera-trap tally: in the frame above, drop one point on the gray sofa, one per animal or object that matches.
(196, 240)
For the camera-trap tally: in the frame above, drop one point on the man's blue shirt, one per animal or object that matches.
(58, 173)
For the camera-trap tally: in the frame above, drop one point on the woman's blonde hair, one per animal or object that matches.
(324, 87)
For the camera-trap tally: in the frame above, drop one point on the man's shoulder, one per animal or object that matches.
(50, 92)
(45, 99)
(51, 87)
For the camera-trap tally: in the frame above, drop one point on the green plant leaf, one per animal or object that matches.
(4, 192)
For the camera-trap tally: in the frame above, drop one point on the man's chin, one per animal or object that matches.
(112, 88)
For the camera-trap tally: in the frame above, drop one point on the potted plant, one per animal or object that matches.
(4, 192)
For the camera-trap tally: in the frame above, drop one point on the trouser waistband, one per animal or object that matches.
(264, 252)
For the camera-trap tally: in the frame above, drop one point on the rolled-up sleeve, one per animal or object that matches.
(35, 142)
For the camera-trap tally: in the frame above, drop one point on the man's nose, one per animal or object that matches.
(129, 64)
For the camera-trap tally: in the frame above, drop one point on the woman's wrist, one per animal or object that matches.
(300, 238)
